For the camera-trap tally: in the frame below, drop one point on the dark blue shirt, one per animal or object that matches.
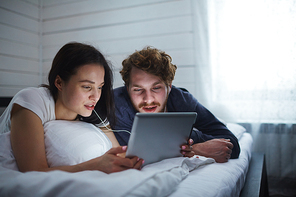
(206, 126)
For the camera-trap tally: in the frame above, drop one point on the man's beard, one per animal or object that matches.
(141, 105)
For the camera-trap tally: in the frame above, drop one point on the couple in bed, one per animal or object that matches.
(80, 89)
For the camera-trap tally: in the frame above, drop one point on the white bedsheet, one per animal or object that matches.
(174, 177)
(219, 179)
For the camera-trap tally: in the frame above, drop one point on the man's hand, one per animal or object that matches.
(218, 149)
(186, 149)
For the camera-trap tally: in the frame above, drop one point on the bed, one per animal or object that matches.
(197, 176)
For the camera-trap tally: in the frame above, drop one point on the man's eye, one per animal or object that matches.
(137, 90)
(156, 88)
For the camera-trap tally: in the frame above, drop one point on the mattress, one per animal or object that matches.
(197, 176)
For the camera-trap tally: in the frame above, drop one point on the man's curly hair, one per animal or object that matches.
(150, 60)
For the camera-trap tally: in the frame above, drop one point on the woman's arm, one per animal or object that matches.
(27, 141)
(109, 133)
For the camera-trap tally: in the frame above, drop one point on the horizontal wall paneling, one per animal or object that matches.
(115, 17)
(19, 50)
(18, 64)
(19, 41)
(19, 21)
(21, 7)
(18, 35)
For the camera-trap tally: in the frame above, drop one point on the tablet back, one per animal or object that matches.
(158, 136)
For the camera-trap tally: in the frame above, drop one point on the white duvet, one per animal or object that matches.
(172, 177)
(158, 179)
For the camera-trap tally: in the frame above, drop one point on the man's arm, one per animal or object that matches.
(210, 134)
(221, 149)
(217, 142)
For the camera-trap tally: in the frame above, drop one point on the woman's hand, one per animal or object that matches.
(186, 149)
(112, 162)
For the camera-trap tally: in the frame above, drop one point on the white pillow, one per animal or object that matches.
(73, 142)
(236, 129)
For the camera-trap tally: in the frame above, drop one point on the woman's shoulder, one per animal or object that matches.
(33, 94)
(38, 100)
(32, 90)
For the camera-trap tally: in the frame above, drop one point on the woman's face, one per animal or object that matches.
(81, 93)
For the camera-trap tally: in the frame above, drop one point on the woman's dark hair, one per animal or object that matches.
(66, 63)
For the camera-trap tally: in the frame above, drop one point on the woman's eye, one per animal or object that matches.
(86, 87)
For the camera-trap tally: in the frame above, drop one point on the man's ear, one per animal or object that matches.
(169, 88)
(58, 82)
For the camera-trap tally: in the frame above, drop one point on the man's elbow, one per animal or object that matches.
(235, 152)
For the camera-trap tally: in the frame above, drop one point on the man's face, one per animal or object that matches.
(148, 92)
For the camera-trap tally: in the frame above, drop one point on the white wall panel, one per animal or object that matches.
(18, 64)
(9, 91)
(126, 46)
(18, 79)
(21, 8)
(34, 2)
(18, 35)
(123, 31)
(117, 28)
(19, 50)
(116, 17)
(18, 20)
(62, 8)
(19, 41)
(184, 75)
(58, 2)
(117, 79)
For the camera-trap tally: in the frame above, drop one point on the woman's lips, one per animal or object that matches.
(90, 107)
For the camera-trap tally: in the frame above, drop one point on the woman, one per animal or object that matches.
(80, 81)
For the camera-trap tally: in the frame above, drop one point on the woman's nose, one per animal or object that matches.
(96, 94)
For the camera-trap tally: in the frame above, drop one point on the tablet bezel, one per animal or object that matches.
(158, 136)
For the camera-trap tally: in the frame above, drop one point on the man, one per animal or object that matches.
(148, 76)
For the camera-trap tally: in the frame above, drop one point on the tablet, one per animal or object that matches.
(158, 136)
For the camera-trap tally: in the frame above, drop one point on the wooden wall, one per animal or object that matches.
(19, 45)
(116, 27)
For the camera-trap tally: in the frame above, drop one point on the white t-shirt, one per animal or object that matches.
(66, 142)
(38, 100)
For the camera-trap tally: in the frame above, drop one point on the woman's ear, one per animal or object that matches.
(58, 82)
